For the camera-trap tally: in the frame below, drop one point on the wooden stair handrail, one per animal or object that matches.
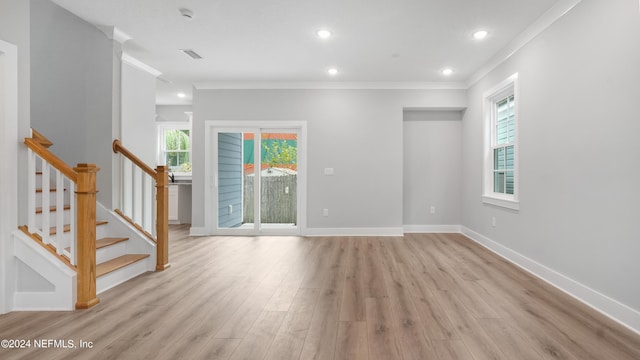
(161, 178)
(49, 157)
(41, 139)
(119, 148)
(84, 176)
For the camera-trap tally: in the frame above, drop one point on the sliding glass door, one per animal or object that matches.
(257, 172)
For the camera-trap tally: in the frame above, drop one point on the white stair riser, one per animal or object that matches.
(39, 181)
(111, 252)
(119, 276)
(52, 198)
(101, 232)
(53, 217)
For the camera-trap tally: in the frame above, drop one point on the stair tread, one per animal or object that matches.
(107, 241)
(118, 263)
(51, 209)
(53, 230)
(39, 190)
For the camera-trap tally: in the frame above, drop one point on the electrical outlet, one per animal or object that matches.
(433, 209)
(325, 212)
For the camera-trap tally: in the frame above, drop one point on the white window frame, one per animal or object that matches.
(499, 92)
(161, 128)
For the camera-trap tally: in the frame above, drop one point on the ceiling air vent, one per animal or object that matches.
(191, 53)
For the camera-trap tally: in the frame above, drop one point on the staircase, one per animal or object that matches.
(74, 248)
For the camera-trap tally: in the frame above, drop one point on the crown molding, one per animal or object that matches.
(535, 29)
(113, 33)
(327, 85)
(128, 59)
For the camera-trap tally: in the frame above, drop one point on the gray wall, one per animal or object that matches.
(579, 91)
(72, 89)
(15, 28)
(432, 167)
(138, 127)
(356, 132)
(174, 113)
(230, 176)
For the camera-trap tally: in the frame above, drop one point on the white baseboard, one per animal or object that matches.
(432, 228)
(354, 232)
(611, 308)
(197, 231)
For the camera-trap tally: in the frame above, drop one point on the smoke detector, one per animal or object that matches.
(186, 13)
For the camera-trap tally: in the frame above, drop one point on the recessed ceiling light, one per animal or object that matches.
(324, 34)
(480, 34)
(447, 71)
(182, 95)
(332, 71)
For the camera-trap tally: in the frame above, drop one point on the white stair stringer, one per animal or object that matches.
(137, 244)
(44, 283)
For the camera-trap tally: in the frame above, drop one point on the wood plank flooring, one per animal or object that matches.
(421, 296)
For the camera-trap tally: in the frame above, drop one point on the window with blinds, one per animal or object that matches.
(504, 146)
(500, 185)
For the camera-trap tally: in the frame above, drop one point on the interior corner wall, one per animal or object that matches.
(578, 151)
(71, 88)
(432, 171)
(173, 113)
(138, 124)
(15, 29)
(358, 133)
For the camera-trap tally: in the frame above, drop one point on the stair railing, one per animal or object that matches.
(139, 207)
(75, 235)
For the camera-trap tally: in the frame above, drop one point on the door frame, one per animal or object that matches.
(211, 171)
(9, 146)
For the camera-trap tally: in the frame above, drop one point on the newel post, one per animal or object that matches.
(86, 235)
(162, 220)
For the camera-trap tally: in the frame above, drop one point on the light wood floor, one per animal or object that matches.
(435, 296)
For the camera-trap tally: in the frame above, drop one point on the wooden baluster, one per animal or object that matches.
(162, 217)
(86, 235)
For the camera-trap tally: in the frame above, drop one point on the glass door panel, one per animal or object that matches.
(230, 180)
(278, 180)
(256, 180)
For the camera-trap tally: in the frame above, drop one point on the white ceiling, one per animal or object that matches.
(275, 40)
